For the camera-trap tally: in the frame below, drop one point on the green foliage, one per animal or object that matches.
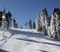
(34, 26)
(30, 24)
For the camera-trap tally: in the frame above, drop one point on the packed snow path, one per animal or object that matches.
(28, 41)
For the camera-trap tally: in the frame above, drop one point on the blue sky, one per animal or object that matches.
(24, 10)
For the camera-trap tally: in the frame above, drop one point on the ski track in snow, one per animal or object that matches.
(28, 41)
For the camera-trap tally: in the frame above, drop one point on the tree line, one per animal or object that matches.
(29, 24)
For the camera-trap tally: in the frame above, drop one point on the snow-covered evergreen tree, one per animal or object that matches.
(46, 24)
(54, 23)
(50, 25)
(9, 19)
(38, 24)
(58, 26)
(43, 15)
(4, 23)
(53, 26)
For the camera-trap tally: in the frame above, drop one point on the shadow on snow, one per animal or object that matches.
(32, 34)
(37, 41)
(36, 35)
(3, 50)
(43, 51)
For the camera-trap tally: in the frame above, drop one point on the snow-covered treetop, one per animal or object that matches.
(44, 11)
(56, 11)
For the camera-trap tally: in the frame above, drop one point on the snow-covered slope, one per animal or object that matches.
(22, 40)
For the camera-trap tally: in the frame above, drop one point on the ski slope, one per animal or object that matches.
(22, 40)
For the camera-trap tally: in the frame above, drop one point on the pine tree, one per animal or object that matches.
(15, 24)
(26, 25)
(30, 24)
(58, 26)
(14, 20)
(34, 26)
(53, 26)
(21, 27)
(38, 24)
(4, 24)
(9, 19)
(44, 11)
(43, 15)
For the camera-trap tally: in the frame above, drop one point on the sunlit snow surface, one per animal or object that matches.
(22, 40)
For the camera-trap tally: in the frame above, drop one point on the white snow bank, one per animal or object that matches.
(29, 41)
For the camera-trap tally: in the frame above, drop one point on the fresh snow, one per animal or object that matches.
(25, 40)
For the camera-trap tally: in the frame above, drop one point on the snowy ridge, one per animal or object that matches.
(22, 40)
